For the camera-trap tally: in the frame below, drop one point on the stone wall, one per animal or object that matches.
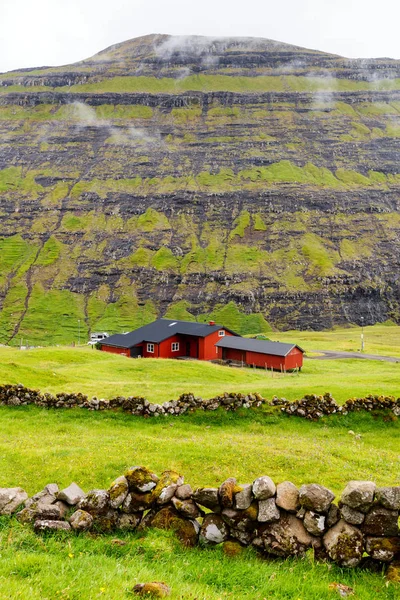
(311, 406)
(278, 520)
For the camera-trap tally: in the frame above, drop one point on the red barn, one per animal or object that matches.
(166, 338)
(260, 353)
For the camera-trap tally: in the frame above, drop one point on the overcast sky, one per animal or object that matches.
(56, 32)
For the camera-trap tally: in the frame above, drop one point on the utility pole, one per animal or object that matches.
(362, 334)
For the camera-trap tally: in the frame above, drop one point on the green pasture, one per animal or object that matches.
(105, 375)
(38, 446)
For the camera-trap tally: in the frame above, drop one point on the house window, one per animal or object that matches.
(150, 347)
(221, 333)
(175, 346)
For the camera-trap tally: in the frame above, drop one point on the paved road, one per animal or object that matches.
(329, 355)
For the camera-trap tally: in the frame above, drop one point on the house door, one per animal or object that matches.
(136, 351)
(187, 349)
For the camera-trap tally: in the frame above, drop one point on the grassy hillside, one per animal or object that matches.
(181, 176)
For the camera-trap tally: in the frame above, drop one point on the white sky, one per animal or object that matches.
(55, 32)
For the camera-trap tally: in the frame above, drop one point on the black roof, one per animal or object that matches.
(160, 330)
(262, 346)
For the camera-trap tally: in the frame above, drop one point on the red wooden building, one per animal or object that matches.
(166, 338)
(260, 353)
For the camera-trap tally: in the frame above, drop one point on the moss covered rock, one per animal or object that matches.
(140, 479)
(168, 518)
(154, 589)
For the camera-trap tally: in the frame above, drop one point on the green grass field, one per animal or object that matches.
(39, 446)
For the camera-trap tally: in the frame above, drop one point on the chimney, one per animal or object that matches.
(211, 323)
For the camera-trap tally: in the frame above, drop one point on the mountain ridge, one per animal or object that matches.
(234, 188)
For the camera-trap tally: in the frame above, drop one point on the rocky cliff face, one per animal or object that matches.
(245, 179)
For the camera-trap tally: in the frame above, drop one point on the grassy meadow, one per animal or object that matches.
(105, 375)
(38, 446)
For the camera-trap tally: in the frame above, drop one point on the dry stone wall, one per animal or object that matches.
(311, 406)
(278, 520)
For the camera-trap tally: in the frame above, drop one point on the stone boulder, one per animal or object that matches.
(96, 502)
(214, 530)
(244, 498)
(264, 488)
(243, 520)
(344, 544)
(167, 486)
(388, 497)
(267, 511)
(140, 479)
(118, 491)
(381, 521)
(226, 492)
(71, 494)
(153, 589)
(167, 517)
(315, 497)
(184, 492)
(359, 495)
(207, 497)
(286, 537)
(287, 496)
(383, 548)
(47, 496)
(187, 508)
(135, 502)
(129, 521)
(351, 515)
(81, 520)
(11, 499)
(315, 523)
(45, 525)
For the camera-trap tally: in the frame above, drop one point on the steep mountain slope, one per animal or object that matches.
(246, 179)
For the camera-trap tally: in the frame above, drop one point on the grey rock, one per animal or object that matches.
(238, 519)
(351, 515)
(286, 537)
(11, 499)
(118, 491)
(214, 530)
(383, 548)
(381, 521)
(95, 502)
(244, 537)
(188, 508)
(344, 544)
(359, 495)
(264, 488)
(47, 496)
(71, 494)
(267, 511)
(81, 520)
(45, 525)
(130, 522)
(287, 496)
(167, 493)
(333, 516)
(388, 497)
(314, 523)
(315, 497)
(207, 497)
(184, 492)
(243, 499)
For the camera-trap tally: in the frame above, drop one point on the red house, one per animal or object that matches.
(166, 338)
(260, 353)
